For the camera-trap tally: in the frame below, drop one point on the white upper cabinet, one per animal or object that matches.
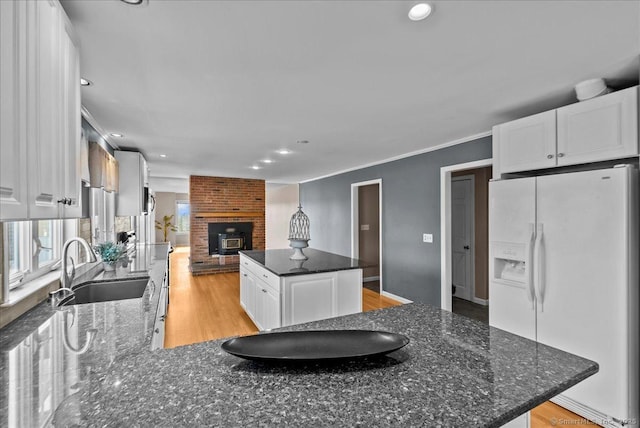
(40, 132)
(599, 129)
(595, 130)
(44, 116)
(132, 170)
(13, 125)
(527, 143)
(72, 123)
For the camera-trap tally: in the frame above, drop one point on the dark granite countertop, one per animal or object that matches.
(278, 262)
(455, 372)
(48, 354)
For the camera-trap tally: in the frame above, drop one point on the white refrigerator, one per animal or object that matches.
(563, 270)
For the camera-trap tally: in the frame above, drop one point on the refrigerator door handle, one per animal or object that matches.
(531, 295)
(538, 250)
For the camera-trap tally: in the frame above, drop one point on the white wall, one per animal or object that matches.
(169, 184)
(282, 202)
(166, 205)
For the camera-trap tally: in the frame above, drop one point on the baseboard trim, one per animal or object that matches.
(483, 302)
(371, 279)
(585, 411)
(394, 297)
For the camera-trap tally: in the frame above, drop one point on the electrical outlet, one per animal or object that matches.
(427, 237)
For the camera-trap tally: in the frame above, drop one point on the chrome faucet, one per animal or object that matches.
(53, 295)
(66, 278)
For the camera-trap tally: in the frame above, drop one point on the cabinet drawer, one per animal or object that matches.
(248, 264)
(269, 278)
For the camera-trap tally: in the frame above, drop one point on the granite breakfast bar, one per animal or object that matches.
(454, 372)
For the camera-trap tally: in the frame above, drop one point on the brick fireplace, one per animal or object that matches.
(223, 200)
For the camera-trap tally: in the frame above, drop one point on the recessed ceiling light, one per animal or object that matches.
(420, 11)
(302, 141)
(163, 156)
(266, 161)
(255, 167)
(284, 152)
(115, 134)
(85, 82)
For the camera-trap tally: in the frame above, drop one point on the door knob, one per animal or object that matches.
(549, 156)
(466, 247)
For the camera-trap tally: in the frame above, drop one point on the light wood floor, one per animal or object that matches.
(207, 307)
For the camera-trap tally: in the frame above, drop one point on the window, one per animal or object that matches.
(32, 248)
(182, 216)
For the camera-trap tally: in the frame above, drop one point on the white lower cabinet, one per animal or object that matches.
(259, 300)
(157, 342)
(272, 301)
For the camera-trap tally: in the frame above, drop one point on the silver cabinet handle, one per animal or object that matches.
(264, 291)
(244, 274)
(265, 276)
(156, 330)
(549, 156)
(560, 155)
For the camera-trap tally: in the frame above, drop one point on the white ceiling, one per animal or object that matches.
(220, 85)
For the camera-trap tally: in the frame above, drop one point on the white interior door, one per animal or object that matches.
(583, 291)
(462, 237)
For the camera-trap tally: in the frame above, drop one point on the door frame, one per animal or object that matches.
(355, 235)
(445, 225)
(472, 239)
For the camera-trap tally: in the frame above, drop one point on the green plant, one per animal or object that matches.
(110, 252)
(165, 226)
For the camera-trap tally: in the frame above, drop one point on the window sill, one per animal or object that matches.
(29, 288)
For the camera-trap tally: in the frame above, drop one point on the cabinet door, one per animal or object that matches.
(71, 126)
(309, 298)
(44, 111)
(252, 306)
(130, 194)
(157, 342)
(247, 291)
(349, 291)
(270, 307)
(13, 124)
(599, 129)
(526, 144)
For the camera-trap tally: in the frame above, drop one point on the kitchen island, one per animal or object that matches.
(455, 372)
(276, 291)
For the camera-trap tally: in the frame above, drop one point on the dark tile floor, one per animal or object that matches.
(470, 309)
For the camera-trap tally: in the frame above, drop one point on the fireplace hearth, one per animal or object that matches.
(229, 238)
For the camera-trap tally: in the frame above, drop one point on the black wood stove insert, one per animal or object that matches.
(228, 238)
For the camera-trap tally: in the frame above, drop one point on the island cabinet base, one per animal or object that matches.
(273, 301)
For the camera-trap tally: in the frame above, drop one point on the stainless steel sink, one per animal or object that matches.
(100, 291)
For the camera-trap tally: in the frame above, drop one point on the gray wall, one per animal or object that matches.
(410, 207)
